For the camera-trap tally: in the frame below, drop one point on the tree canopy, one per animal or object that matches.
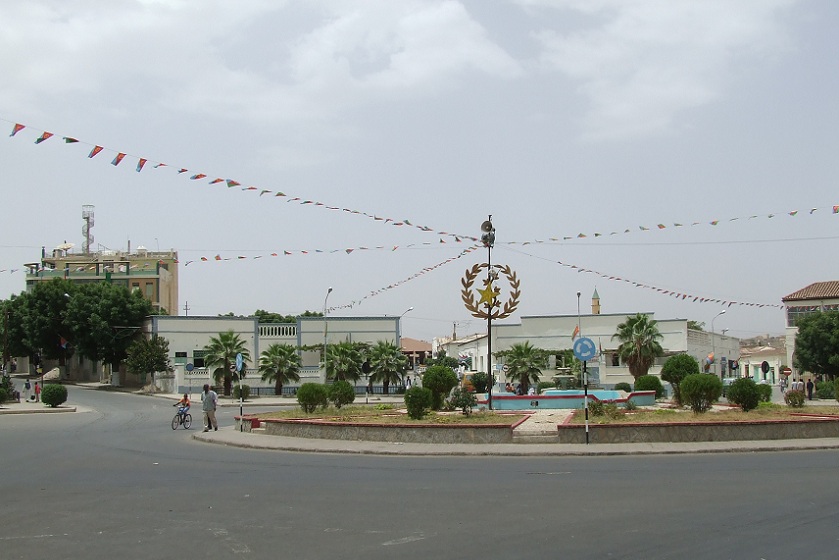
(220, 354)
(817, 343)
(640, 346)
(148, 355)
(387, 364)
(280, 363)
(524, 364)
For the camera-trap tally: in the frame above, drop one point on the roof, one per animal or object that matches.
(414, 345)
(817, 290)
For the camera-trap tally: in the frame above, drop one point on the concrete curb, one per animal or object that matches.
(39, 410)
(234, 438)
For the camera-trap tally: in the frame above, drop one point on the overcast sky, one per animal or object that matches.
(588, 129)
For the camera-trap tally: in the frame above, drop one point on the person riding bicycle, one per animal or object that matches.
(183, 405)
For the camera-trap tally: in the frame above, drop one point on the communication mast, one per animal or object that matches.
(87, 216)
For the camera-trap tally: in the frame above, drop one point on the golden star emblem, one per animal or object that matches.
(487, 294)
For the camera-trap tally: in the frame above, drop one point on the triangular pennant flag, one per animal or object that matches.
(197, 176)
(118, 159)
(232, 183)
(218, 257)
(217, 180)
(69, 140)
(140, 164)
(43, 137)
(17, 128)
(94, 151)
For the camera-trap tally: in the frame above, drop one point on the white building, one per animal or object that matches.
(819, 296)
(187, 337)
(556, 332)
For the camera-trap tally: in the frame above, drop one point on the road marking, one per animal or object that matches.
(34, 537)
(404, 540)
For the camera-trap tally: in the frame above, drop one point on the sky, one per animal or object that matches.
(677, 157)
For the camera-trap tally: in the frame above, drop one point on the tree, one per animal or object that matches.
(148, 355)
(696, 326)
(40, 317)
(343, 361)
(103, 319)
(387, 364)
(439, 380)
(524, 364)
(443, 360)
(677, 368)
(639, 337)
(817, 343)
(220, 354)
(280, 363)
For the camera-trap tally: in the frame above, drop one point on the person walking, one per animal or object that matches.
(810, 387)
(37, 392)
(26, 388)
(209, 402)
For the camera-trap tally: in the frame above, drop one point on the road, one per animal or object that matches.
(117, 481)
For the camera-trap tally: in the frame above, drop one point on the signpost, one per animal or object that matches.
(584, 350)
(240, 362)
(189, 367)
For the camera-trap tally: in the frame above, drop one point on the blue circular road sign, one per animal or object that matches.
(239, 362)
(584, 349)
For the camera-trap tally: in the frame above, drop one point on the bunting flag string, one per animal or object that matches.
(230, 183)
(414, 276)
(683, 295)
(292, 252)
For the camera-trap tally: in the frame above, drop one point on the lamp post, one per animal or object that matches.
(488, 239)
(325, 330)
(713, 340)
(399, 336)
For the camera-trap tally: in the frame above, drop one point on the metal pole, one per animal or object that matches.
(585, 368)
(325, 330)
(714, 342)
(489, 329)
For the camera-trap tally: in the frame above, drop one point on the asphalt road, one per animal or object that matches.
(118, 482)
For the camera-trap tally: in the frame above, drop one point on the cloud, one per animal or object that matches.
(642, 62)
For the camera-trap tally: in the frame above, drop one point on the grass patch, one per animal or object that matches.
(765, 411)
(367, 415)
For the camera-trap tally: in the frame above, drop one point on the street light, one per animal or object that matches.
(325, 330)
(488, 239)
(714, 342)
(399, 335)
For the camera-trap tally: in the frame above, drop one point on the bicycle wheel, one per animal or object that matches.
(187, 421)
(175, 421)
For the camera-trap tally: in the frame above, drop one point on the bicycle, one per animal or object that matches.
(182, 418)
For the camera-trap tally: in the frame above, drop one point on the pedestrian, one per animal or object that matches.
(26, 388)
(407, 382)
(37, 392)
(209, 402)
(782, 383)
(810, 387)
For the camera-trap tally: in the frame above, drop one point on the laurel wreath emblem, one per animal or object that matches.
(493, 310)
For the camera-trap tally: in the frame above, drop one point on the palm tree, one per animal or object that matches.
(524, 364)
(387, 364)
(279, 363)
(343, 361)
(220, 353)
(640, 346)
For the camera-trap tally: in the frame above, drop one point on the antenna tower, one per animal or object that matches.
(87, 216)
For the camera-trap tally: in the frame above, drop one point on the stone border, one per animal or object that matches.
(691, 432)
(405, 433)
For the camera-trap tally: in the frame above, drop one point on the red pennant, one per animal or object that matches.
(17, 128)
(118, 159)
(94, 151)
(43, 137)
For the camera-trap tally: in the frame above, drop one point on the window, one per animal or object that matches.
(198, 358)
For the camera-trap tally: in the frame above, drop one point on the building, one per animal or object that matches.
(557, 332)
(187, 337)
(152, 273)
(819, 296)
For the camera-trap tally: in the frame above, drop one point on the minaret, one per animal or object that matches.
(595, 303)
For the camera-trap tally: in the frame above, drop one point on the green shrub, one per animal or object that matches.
(825, 390)
(341, 393)
(764, 392)
(836, 388)
(439, 380)
(744, 393)
(4, 396)
(611, 410)
(630, 405)
(383, 406)
(246, 391)
(650, 383)
(418, 401)
(54, 394)
(595, 407)
(795, 398)
(311, 396)
(462, 399)
(675, 369)
(700, 391)
(542, 385)
(480, 381)
(623, 386)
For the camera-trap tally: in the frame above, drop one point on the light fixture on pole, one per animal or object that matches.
(325, 329)
(714, 342)
(488, 239)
